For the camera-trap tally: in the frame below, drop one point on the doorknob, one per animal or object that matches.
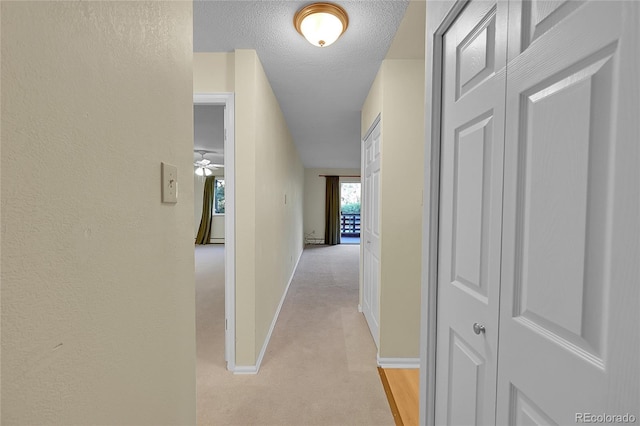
(478, 328)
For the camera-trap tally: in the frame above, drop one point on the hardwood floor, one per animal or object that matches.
(402, 389)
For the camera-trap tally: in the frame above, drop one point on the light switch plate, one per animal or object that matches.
(169, 183)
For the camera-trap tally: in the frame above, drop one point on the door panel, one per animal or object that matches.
(470, 216)
(568, 330)
(471, 196)
(466, 382)
(524, 412)
(556, 256)
(538, 16)
(562, 174)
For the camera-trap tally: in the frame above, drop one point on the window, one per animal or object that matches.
(218, 196)
(349, 211)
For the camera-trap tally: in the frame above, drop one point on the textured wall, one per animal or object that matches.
(279, 202)
(401, 207)
(268, 232)
(245, 144)
(398, 95)
(373, 104)
(213, 72)
(97, 274)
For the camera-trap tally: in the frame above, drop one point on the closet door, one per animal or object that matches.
(470, 216)
(371, 234)
(569, 338)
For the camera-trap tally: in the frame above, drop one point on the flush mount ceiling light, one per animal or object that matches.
(321, 23)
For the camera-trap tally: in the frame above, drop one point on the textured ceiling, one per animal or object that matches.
(320, 90)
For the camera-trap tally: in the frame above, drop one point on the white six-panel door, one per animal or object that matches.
(539, 228)
(470, 214)
(371, 234)
(569, 328)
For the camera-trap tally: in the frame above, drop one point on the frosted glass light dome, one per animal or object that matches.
(203, 171)
(321, 23)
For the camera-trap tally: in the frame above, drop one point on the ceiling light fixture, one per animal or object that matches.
(321, 23)
(203, 171)
(203, 166)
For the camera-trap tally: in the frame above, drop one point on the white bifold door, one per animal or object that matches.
(539, 236)
(371, 234)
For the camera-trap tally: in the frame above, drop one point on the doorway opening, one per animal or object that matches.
(214, 178)
(350, 213)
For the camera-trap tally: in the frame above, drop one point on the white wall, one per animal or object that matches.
(97, 274)
(315, 195)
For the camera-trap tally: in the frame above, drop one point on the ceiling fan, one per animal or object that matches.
(205, 167)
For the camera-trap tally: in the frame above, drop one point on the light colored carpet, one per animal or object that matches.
(320, 366)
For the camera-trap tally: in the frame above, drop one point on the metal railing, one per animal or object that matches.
(350, 224)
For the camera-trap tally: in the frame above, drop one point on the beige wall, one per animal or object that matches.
(245, 144)
(217, 220)
(213, 72)
(97, 274)
(314, 198)
(373, 104)
(268, 169)
(279, 186)
(401, 207)
(398, 95)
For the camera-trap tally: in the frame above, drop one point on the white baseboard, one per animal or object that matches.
(359, 307)
(399, 362)
(253, 369)
(245, 369)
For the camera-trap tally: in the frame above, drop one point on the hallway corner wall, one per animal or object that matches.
(279, 189)
(269, 195)
(401, 209)
(397, 94)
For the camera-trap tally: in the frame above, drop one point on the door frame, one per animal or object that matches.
(439, 17)
(228, 100)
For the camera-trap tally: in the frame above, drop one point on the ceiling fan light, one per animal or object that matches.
(321, 23)
(203, 171)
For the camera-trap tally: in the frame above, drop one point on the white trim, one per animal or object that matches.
(398, 362)
(228, 100)
(439, 16)
(253, 369)
(245, 369)
(359, 307)
(370, 129)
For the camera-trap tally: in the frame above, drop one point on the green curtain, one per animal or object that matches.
(204, 232)
(332, 211)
